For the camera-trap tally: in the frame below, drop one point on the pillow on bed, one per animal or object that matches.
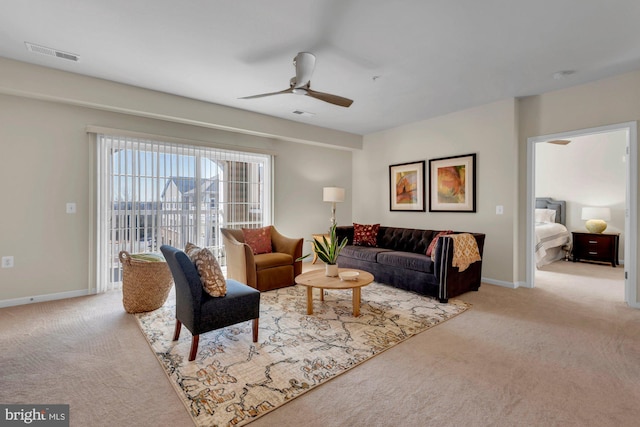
(545, 215)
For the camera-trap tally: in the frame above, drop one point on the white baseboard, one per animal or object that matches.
(42, 298)
(509, 285)
(634, 304)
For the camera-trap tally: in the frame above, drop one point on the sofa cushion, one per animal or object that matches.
(362, 252)
(365, 235)
(258, 239)
(406, 260)
(273, 259)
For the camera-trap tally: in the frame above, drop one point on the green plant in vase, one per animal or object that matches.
(328, 251)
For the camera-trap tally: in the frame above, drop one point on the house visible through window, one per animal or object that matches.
(152, 193)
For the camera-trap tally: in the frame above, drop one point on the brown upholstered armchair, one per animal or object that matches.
(264, 271)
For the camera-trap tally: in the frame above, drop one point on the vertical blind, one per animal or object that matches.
(152, 193)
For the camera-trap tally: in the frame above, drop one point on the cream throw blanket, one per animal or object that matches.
(465, 250)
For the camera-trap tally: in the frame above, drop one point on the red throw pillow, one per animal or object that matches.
(258, 239)
(435, 240)
(365, 235)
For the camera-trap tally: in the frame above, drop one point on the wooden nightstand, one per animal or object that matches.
(596, 247)
(318, 237)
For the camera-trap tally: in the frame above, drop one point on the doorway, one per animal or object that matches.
(624, 203)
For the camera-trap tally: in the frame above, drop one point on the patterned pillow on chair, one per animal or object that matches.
(365, 235)
(213, 280)
(258, 239)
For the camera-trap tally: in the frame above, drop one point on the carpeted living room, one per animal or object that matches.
(564, 353)
(435, 138)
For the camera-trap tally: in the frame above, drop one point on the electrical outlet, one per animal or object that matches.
(7, 261)
(71, 208)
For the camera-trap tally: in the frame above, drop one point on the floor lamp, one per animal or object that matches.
(333, 195)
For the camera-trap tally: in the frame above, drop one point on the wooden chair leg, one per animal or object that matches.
(194, 347)
(255, 329)
(176, 332)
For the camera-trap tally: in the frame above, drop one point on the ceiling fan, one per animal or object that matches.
(300, 84)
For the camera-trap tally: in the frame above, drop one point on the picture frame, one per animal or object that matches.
(452, 184)
(406, 187)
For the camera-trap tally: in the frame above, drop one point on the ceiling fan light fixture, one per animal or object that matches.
(304, 63)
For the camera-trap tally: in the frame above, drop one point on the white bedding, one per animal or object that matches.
(550, 237)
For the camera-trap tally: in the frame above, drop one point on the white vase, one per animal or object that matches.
(331, 270)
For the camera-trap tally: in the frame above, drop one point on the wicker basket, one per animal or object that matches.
(145, 285)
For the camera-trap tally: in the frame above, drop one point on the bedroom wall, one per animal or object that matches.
(490, 132)
(605, 102)
(45, 162)
(590, 171)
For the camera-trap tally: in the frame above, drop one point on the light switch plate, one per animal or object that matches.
(499, 210)
(7, 262)
(71, 208)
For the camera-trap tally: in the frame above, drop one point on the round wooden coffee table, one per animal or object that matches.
(317, 279)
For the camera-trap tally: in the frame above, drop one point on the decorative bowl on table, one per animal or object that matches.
(349, 275)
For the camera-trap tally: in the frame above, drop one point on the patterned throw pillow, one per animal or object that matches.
(435, 240)
(211, 276)
(365, 235)
(258, 239)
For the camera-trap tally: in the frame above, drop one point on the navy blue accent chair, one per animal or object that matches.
(199, 311)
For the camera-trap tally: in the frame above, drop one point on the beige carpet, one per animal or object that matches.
(563, 354)
(234, 381)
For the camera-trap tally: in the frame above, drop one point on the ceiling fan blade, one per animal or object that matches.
(332, 99)
(262, 95)
(305, 63)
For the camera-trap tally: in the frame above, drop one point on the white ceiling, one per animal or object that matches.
(400, 61)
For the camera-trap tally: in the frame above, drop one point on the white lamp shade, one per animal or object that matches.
(596, 213)
(333, 194)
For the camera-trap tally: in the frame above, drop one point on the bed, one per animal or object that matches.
(553, 240)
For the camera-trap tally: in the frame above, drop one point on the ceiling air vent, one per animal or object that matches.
(303, 113)
(51, 52)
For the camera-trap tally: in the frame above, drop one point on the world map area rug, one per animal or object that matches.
(233, 380)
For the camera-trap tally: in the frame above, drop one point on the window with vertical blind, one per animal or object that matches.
(152, 193)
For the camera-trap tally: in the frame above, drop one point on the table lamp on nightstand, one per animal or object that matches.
(596, 218)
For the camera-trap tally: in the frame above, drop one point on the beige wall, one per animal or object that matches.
(490, 132)
(45, 162)
(31, 81)
(300, 174)
(498, 132)
(605, 102)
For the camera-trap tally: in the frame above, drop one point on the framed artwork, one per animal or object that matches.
(406, 187)
(452, 184)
